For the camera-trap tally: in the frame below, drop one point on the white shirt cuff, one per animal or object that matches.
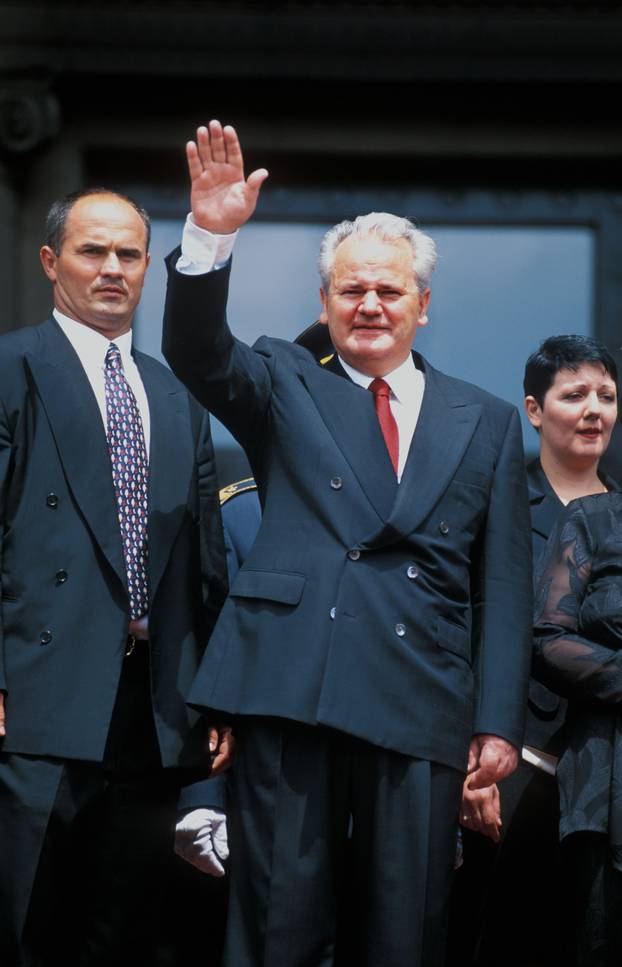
(203, 251)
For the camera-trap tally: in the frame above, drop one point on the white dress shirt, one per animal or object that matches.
(91, 348)
(406, 384)
(203, 251)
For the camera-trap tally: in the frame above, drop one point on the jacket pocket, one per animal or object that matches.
(281, 586)
(453, 638)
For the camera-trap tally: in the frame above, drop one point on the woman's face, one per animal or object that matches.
(577, 416)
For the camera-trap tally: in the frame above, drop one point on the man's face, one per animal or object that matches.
(373, 307)
(577, 416)
(99, 273)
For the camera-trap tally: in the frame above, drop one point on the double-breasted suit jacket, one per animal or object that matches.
(64, 596)
(398, 614)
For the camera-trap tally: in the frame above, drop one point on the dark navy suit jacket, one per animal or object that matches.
(401, 615)
(63, 640)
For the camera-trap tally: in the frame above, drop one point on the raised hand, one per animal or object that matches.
(222, 199)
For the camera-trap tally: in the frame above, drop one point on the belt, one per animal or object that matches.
(140, 632)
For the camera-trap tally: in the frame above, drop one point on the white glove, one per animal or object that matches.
(201, 839)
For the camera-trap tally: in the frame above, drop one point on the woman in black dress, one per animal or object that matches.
(578, 653)
(571, 400)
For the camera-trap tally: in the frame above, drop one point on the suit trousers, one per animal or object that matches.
(304, 893)
(526, 879)
(594, 901)
(87, 843)
(518, 879)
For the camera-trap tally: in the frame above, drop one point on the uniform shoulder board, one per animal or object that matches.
(233, 489)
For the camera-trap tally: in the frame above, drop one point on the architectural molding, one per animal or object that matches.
(28, 118)
(541, 41)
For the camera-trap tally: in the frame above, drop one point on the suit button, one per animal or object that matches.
(400, 630)
(45, 637)
(61, 576)
(333, 612)
(354, 554)
(336, 483)
(412, 572)
(444, 528)
(51, 500)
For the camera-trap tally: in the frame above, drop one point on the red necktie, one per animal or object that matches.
(381, 392)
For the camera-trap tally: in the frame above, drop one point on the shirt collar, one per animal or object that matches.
(400, 380)
(90, 344)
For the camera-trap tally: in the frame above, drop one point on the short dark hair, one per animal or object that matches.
(56, 219)
(563, 352)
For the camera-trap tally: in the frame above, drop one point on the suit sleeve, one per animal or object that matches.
(6, 445)
(208, 794)
(213, 559)
(505, 608)
(228, 377)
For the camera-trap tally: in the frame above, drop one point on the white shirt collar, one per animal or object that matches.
(400, 380)
(90, 344)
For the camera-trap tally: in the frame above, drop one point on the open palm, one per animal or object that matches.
(222, 199)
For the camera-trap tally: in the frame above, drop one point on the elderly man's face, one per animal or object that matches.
(99, 273)
(373, 307)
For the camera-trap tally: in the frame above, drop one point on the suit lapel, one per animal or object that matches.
(76, 424)
(171, 463)
(543, 502)
(444, 429)
(350, 416)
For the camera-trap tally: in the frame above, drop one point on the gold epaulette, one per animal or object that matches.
(326, 359)
(232, 489)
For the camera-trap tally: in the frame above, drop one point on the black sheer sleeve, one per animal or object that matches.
(565, 656)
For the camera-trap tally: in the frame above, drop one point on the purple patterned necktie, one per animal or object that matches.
(126, 443)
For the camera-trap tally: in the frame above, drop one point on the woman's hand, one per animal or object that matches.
(480, 810)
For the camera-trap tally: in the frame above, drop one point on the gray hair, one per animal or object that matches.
(389, 228)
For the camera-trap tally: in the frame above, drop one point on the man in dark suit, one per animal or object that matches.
(113, 572)
(376, 639)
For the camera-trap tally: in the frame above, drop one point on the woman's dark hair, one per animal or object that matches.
(563, 352)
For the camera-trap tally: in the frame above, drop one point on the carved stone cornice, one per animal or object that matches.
(526, 40)
(29, 117)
